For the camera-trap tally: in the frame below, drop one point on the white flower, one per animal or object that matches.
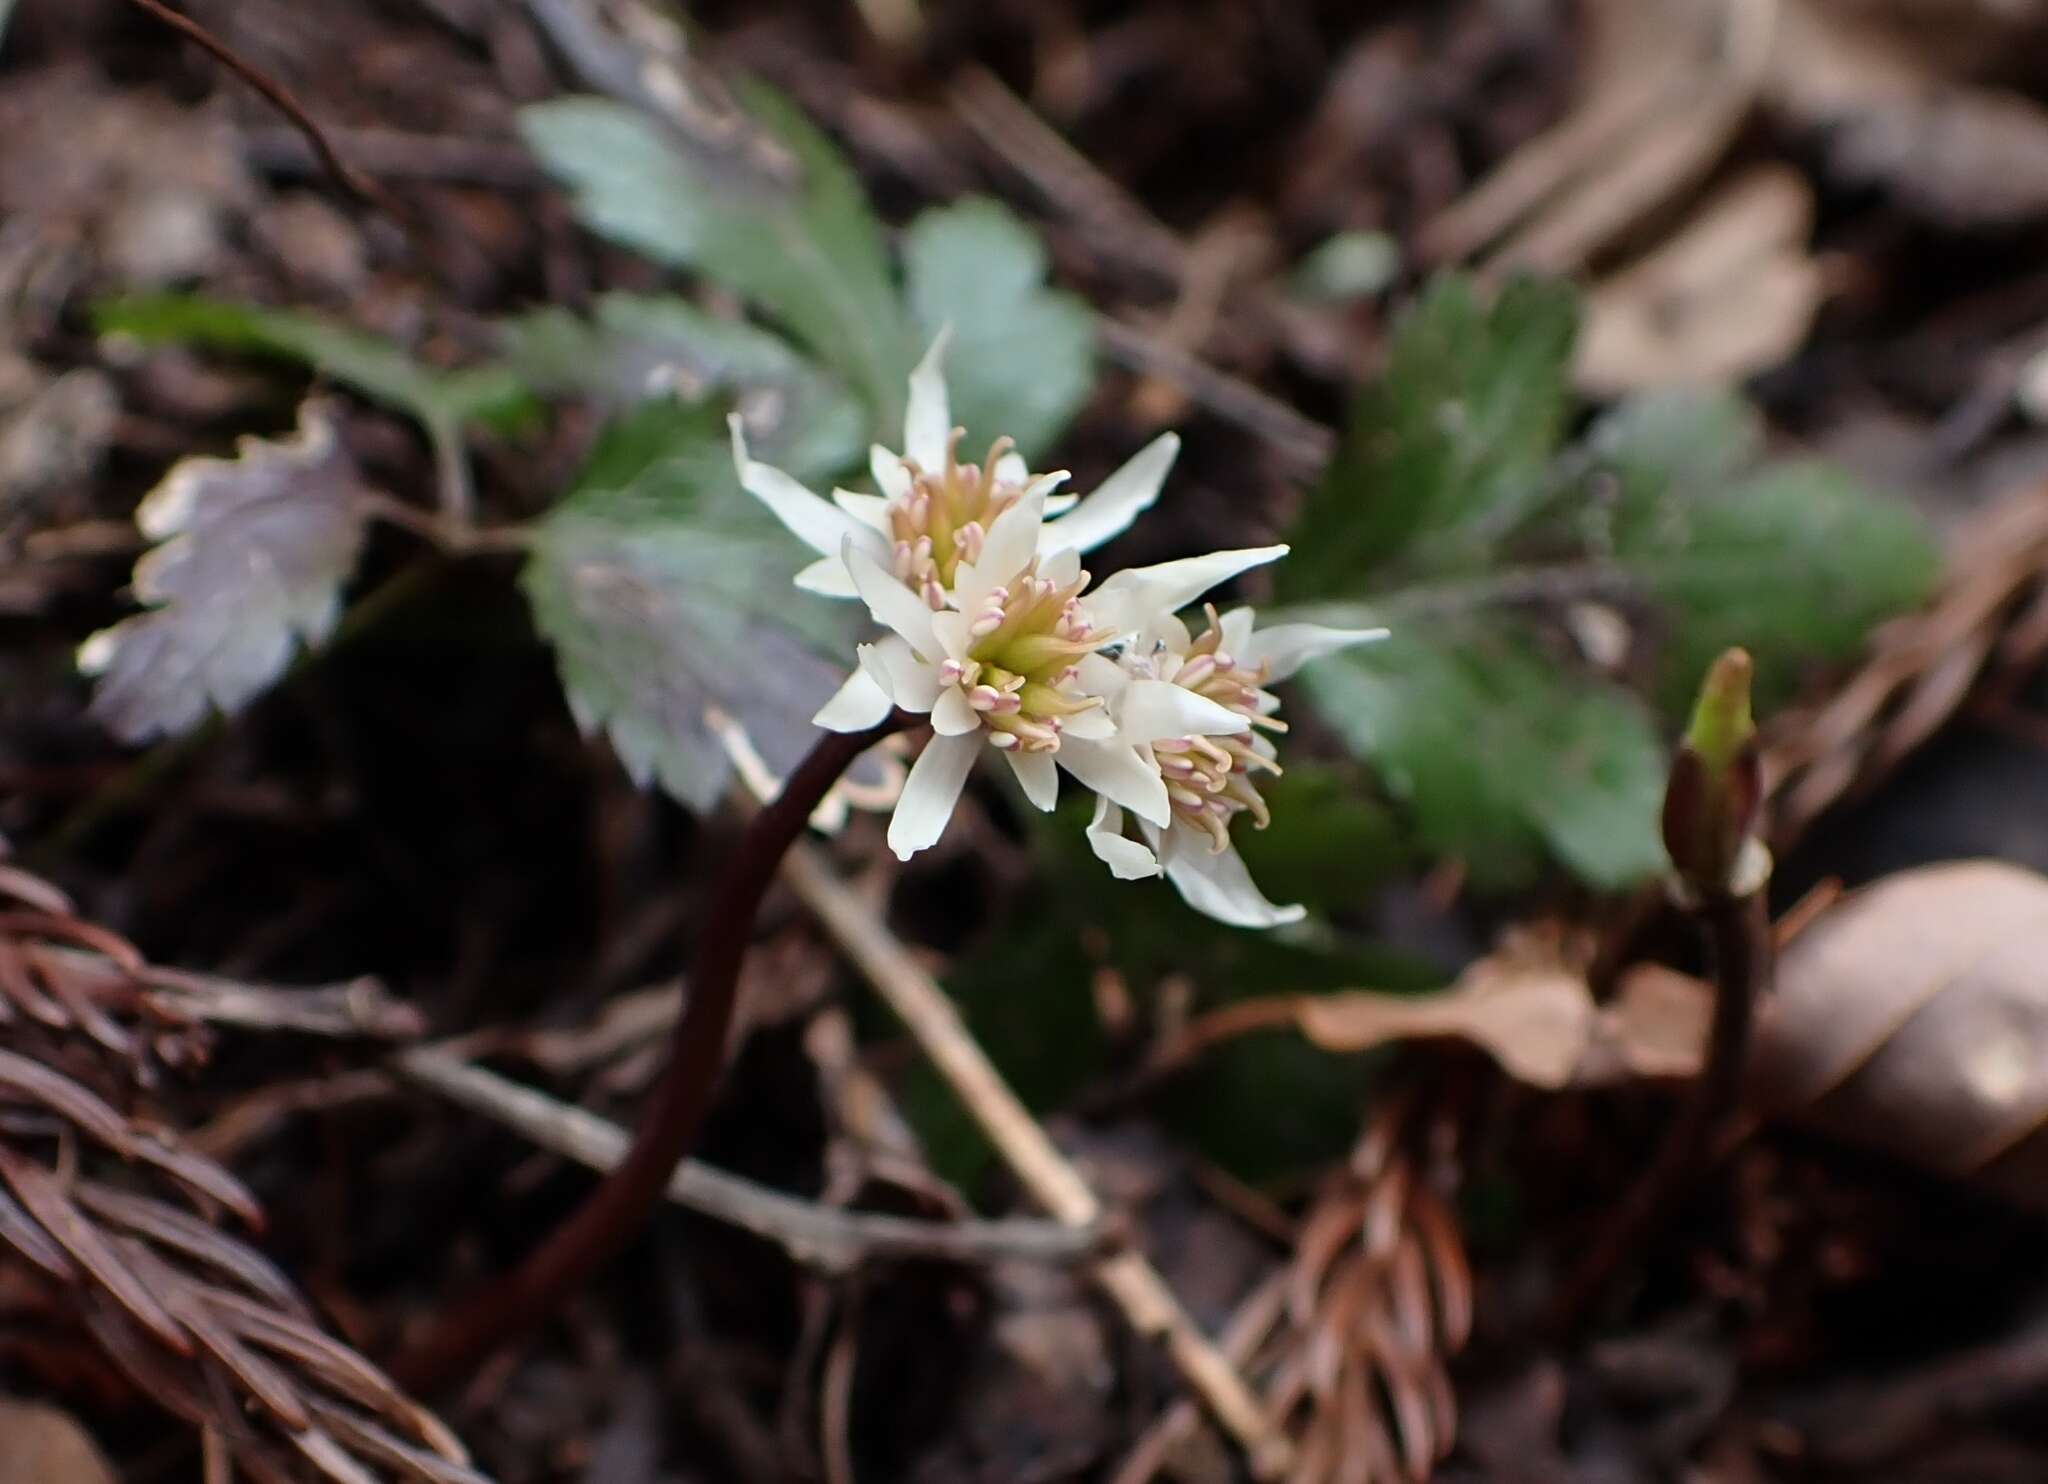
(933, 512)
(1210, 777)
(1010, 667)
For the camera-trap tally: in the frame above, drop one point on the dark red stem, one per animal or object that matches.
(1738, 931)
(621, 1205)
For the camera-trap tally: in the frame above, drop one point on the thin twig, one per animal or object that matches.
(1739, 937)
(279, 97)
(674, 1111)
(1131, 1282)
(820, 1236)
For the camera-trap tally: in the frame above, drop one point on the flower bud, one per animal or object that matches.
(1715, 792)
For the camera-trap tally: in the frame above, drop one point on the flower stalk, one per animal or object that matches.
(619, 1209)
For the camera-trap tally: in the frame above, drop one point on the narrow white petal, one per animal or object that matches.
(1011, 541)
(871, 511)
(1063, 567)
(928, 421)
(1118, 501)
(1287, 647)
(891, 478)
(1099, 675)
(1237, 630)
(930, 792)
(817, 523)
(1011, 468)
(952, 716)
(1060, 504)
(1218, 885)
(913, 683)
(1092, 725)
(1131, 597)
(828, 578)
(858, 705)
(1038, 775)
(893, 605)
(1120, 773)
(1154, 710)
(952, 630)
(1127, 859)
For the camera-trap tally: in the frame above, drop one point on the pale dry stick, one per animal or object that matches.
(1131, 1282)
(818, 1236)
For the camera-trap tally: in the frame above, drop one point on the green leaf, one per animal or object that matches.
(1502, 755)
(664, 590)
(633, 348)
(1455, 514)
(1022, 359)
(1450, 446)
(375, 368)
(767, 208)
(1795, 562)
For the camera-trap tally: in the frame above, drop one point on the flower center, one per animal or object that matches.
(1019, 672)
(944, 517)
(1209, 779)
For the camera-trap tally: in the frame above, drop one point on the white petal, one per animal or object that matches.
(893, 605)
(1127, 859)
(1287, 647)
(817, 523)
(1131, 597)
(1038, 775)
(1092, 725)
(1218, 885)
(952, 629)
(828, 578)
(1011, 468)
(930, 792)
(858, 705)
(1154, 710)
(1060, 504)
(1120, 773)
(1099, 675)
(1237, 630)
(1119, 500)
(1063, 567)
(952, 716)
(928, 421)
(913, 683)
(891, 478)
(1011, 542)
(871, 511)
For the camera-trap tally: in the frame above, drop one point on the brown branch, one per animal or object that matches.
(622, 1204)
(1739, 937)
(279, 97)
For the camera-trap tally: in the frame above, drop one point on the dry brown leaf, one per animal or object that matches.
(41, 1445)
(1915, 1017)
(1734, 292)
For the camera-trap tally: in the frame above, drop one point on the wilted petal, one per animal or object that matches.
(1039, 776)
(1120, 773)
(817, 523)
(858, 705)
(892, 665)
(930, 792)
(828, 578)
(1154, 710)
(928, 421)
(952, 716)
(871, 511)
(1217, 884)
(893, 605)
(1133, 597)
(1118, 501)
(1286, 647)
(1127, 859)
